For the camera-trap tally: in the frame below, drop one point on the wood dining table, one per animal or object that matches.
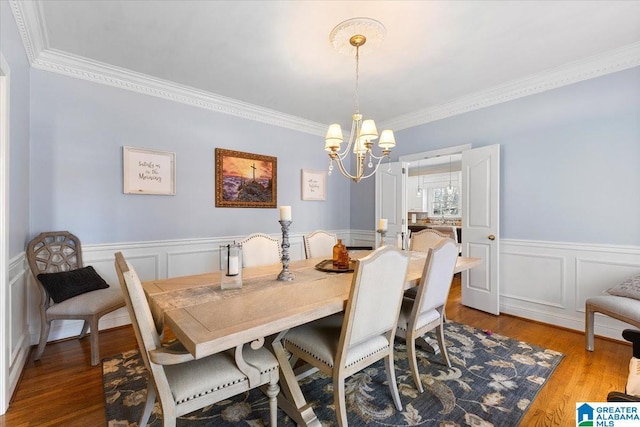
(208, 319)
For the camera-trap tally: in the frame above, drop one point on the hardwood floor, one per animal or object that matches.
(64, 389)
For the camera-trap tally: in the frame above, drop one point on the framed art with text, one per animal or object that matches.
(245, 180)
(314, 185)
(148, 171)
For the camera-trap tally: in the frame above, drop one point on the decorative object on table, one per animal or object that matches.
(314, 185)
(400, 240)
(231, 266)
(148, 171)
(245, 180)
(285, 223)
(340, 256)
(328, 266)
(348, 38)
(383, 225)
(493, 381)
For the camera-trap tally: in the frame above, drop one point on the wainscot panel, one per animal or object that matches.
(549, 281)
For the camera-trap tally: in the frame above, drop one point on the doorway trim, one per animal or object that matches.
(4, 229)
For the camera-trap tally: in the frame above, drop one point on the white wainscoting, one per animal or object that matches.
(549, 281)
(17, 322)
(543, 281)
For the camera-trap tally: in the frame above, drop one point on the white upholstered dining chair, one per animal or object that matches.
(260, 249)
(426, 312)
(319, 244)
(68, 290)
(426, 239)
(341, 345)
(184, 384)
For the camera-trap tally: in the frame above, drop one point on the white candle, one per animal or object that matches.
(414, 218)
(382, 224)
(399, 242)
(285, 213)
(234, 265)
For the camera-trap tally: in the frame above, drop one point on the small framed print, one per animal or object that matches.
(314, 185)
(148, 171)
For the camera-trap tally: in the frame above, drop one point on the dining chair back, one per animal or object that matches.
(181, 383)
(344, 344)
(80, 292)
(319, 244)
(451, 231)
(426, 312)
(260, 249)
(426, 239)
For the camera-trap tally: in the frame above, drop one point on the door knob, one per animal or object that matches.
(492, 237)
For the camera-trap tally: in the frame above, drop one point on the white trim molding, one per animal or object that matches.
(31, 23)
(6, 387)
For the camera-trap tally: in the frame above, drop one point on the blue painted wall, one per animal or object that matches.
(14, 53)
(570, 161)
(79, 128)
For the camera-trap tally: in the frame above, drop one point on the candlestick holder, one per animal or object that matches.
(383, 234)
(285, 275)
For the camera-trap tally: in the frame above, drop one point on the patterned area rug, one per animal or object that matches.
(492, 382)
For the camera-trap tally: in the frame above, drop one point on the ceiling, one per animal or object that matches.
(274, 59)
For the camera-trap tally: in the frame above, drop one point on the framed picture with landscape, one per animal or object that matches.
(245, 180)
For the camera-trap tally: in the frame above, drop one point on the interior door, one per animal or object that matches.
(481, 227)
(390, 200)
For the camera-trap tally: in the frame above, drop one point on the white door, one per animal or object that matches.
(480, 227)
(390, 203)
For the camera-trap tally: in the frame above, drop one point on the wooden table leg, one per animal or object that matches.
(291, 400)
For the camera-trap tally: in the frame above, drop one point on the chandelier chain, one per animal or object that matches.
(357, 79)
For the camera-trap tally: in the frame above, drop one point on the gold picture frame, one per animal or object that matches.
(245, 180)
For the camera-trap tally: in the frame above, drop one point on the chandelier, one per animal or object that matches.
(354, 33)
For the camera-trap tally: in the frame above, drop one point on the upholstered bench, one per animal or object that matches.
(621, 302)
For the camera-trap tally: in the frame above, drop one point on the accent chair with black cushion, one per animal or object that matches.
(68, 290)
(260, 249)
(343, 344)
(319, 244)
(426, 312)
(181, 383)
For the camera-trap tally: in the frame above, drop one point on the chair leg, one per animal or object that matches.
(413, 361)
(391, 380)
(44, 334)
(85, 328)
(148, 404)
(272, 392)
(443, 348)
(589, 321)
(339, 401)
(95, 344)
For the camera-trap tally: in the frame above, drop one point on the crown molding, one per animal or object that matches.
(577, 71)
(98, 72)
(32, 27)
